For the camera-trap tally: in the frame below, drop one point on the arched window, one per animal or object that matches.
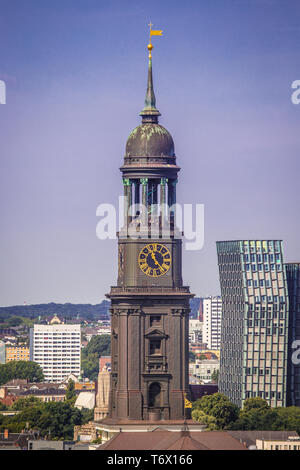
(154, 395)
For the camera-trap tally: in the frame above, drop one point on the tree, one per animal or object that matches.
(256, 419)
(202, 357)
(54, 419)
(192, 356)
(27, 402)
(70, 392)
(21, 370)
(3, 407)
(87, 415)
(58, 420)
(288, 418)
(215, 376)
(255, 403)
(98, 346)
(209, 421)
(218, 406)
(15, 321)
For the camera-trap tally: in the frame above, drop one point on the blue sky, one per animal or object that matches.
(75, 73)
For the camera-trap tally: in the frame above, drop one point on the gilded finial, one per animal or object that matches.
(152, 33)
(150, 113)
(150, 47)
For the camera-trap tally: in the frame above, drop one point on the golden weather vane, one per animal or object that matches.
(153, 32)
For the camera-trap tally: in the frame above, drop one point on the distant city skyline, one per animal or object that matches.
(75, 75)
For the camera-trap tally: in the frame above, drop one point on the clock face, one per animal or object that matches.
(155, 260)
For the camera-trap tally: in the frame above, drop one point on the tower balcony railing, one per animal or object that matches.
(156, 226)
(156, 363)
(149, 289)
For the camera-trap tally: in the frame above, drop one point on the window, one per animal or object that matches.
(155, 346)
(155, 320)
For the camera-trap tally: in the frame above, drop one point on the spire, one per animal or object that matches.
(150, 113)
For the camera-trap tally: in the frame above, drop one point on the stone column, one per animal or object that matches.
(136, 192)
(127, 202)
(163, 196)
(144, 183)
(122, 394)
(144, 216)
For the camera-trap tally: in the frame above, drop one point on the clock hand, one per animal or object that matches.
(155, 260)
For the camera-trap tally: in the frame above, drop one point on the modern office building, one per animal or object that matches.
(293, 282)
(212, 316)
(254, 336)
(56, 348)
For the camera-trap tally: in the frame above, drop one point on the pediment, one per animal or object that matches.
(155, 333)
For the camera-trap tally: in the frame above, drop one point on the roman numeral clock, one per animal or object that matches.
(149, 304)
(155, 260)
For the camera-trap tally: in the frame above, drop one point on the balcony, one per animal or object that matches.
(115, 290)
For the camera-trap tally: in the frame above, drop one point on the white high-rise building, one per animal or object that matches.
(57, 349)
(212, 316)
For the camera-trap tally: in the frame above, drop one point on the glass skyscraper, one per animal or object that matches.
(293, 281)
(254, 335)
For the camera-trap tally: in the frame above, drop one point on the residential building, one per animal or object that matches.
(46, 444)
(291, 443)
(254, 336)
(85, 386)
(212, 316)
(195, 332)
(2, 352)
(15, 441)
(8, 333)
(56, 348)
(293, 283)
(203, 370)
(268, 440)
(17, 353)
(16, 389)
(86, 432)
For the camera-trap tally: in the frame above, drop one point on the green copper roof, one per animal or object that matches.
(150, 139)
(150, 100)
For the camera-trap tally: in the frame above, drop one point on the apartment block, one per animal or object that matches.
(56, 348)
(17, 353)
(212, 317)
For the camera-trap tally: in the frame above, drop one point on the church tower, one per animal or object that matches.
(149, 305)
